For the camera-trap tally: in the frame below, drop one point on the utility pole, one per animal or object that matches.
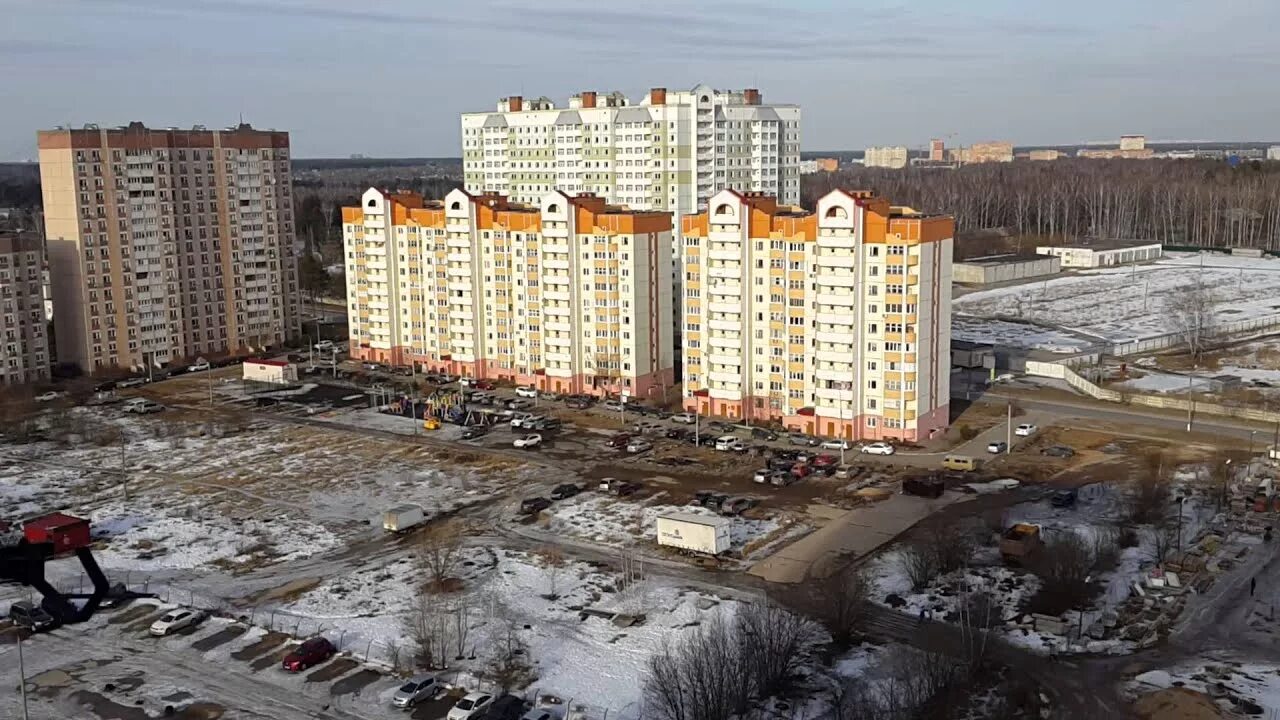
(22, 678)
(1008, 431)
(209, 375)
(1191, 402)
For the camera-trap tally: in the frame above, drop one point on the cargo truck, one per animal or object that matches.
(1020, 543)
(403, 518)
(695, 533)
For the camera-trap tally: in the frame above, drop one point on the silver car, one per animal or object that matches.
(422, 687)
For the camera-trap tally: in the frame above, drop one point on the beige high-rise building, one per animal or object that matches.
(985, 152)
(835, 322)
(568, 295)
(889, 156)
(166, 245)
(24, 347)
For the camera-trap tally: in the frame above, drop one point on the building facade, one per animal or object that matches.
(894, 157)
(568, 295)
(835, 322)
(169, 244)
(985, 152)
(1004, 268)
(24, 348)
(1273, 152)
(937, 151)
(666, 152)
(1103, 253)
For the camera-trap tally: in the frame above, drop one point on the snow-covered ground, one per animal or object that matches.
(1124, 304)
(1157, 382)
(618, 521)
(1012, 334)
(1232, 681)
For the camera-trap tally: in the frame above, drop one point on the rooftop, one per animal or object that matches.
(1004, 259)
(1105, 243)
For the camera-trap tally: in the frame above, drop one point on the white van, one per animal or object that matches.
(725, 443)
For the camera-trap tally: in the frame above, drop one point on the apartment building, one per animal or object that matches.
(669, 151)
(168, 244)
(985, 152)
(24, 347)
(835, 322)
(893, 157)
(567, 295)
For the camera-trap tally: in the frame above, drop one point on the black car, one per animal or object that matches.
(117, 595)
(708, 499)
(1063, 498)
(31, 616)
(626, 488)
(529, 506)
(676, 434)
(297, 358)
(474, 431)
(764, 434)
(507, 707)
(1058, 451)
(567, 490)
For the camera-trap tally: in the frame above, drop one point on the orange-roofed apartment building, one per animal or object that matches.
(835, 322)
(568, 295)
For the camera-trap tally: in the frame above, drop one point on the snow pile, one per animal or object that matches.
(1252, 689)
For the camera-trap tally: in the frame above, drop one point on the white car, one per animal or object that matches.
(198, 367)
(324, 345)
(527, 391)
(518, 418)
(471, 706)
(684, 418)
(1025, 429)
(725, 443)
(528, 441)
(877, 448)
(837, 445)
(48, 396)
(762, 475)
(638, 446)
(176, 620)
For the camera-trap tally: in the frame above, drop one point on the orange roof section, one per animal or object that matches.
(766, 219)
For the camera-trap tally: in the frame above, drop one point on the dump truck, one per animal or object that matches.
(695, 533)
(1019, 543)
(403, 518)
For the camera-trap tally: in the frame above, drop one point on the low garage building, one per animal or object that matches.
(1087, 253)
(1004, 268)
(271, 372)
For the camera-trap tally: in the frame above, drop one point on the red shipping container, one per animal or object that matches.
(66, 532)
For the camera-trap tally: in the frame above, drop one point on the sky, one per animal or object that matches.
(388, 78)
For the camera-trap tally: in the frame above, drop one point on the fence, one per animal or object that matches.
(1079, 382)
(1173, 340)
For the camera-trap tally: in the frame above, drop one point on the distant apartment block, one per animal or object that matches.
(937, 150)
(24, 347)
(1273, 152)
(894, 157)
(1044, 155)
(1132, 147)
(168, 244)
(828, 164)
(835, 322)
(667, 152)
(986, 152)
(568, 295)
(808, 167)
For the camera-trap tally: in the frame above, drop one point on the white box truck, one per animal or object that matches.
(696, 533)
(402, 518)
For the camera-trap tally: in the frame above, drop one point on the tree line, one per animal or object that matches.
(1203, 203)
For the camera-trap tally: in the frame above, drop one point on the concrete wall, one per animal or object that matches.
(987, 273)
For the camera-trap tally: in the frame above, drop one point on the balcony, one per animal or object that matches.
(464, 272)
(835, 356)
(557, 296)
(730, 308)
(555, 248)
(834, 261)
(834, 395)
(734, 254)
(725, 343)
(733, 379)
(835, 280)
(828, 336)
(555, 264)
(458, 257)
(725, 324)
(725, 289)
(558, 326)
(721, 272)
(558, 280)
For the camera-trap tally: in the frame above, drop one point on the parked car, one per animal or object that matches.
(528, 442)
(801, 470)
(48, 396)
(543, 424)
(132, 382)
(537, 714)
(802, 439)
(837, 445)
(1058, 451)
(527, 391)
(198, 367)
(764, 434)
(684, 418)
(709, 499)
(474, 431)
(142, 407)
(175, 620)
(877, 448)
(621, 440)
(518, 404)
(529, 506)
(996, 448)
(27, 614)
(117, 595)
(1063, 498)
(577, 403)
(762, 475)
(1025, 429)
(324, 345)
(639, 445)
(845, 472)
(617, 487)
(781, 478)
(725, 443)
(518, 418)
(676, 434)
(822, 461)
(483, 385)
(736, 506)
(309, 654)
(422, 687)
(614, 405)
(565, 490)
(470, 707)
(507, 707)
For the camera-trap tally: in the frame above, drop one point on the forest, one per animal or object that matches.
(1202, 203)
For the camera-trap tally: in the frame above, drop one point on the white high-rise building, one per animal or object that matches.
(670, 151)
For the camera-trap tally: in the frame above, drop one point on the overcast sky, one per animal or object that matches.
(387, 78)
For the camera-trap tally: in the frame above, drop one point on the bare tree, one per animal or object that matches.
(508, 665)
(428, 626)
(552, 565)
(702, 676)
(936, 549)
(1191, 313)
(1162, 539)
(839, 602)
(1149, 493)
(1063, 565)
(439, 556)
(775, 644)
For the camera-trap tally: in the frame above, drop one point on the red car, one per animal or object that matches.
(801, 470)
(312, 652)
(619, 440)
(825, 460)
